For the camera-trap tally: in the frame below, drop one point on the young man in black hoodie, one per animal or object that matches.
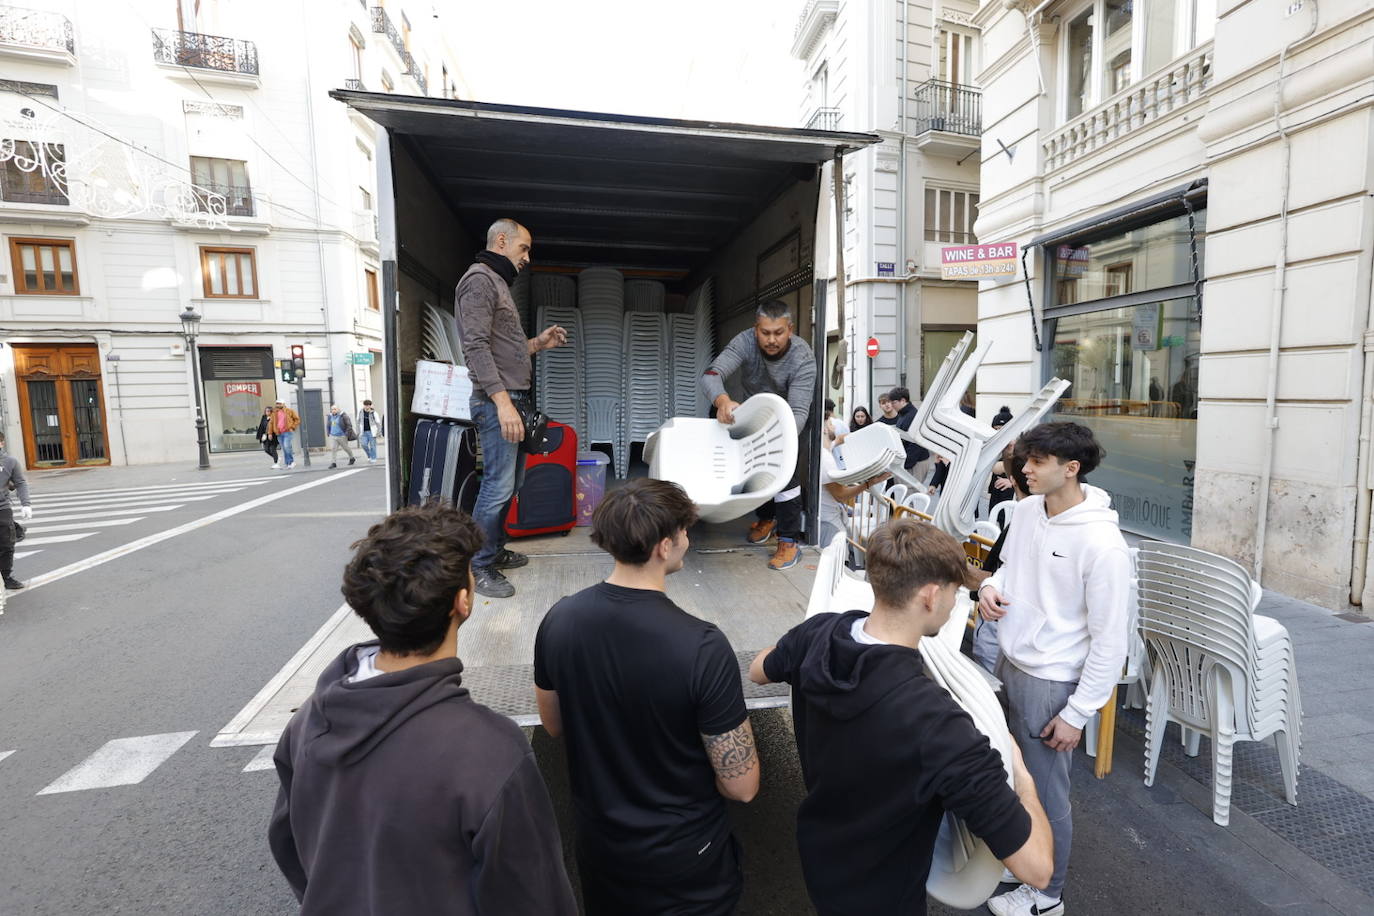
(885, 752)
(399, 794)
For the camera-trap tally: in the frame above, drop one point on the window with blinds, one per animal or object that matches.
(950, 216)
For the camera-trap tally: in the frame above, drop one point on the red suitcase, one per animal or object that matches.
(547, 502)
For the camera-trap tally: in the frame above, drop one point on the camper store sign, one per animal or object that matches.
(974, 262)
(253, 388)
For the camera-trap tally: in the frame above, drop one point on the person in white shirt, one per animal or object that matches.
(1060, 599)
(835, 495)
(835, 428)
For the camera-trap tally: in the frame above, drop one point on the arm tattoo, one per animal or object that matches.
(732, 753)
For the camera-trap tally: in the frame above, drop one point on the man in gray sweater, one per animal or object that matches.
(11, 476)
(770, 358)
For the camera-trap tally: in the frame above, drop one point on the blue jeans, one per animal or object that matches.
(503, 469)
(284, 442)
(369, 444)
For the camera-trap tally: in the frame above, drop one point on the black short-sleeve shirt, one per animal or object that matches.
(639, 681)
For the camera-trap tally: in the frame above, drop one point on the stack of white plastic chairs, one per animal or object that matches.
(440, 339)
(682, 365)
(701, 305)
(558, 372)
(963, 872)
(645, 393)
(601, 300)
(1219, 668)
(728, 471)
(1136, 670)
(645, 296)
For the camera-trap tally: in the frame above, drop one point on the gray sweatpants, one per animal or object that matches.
(1031, 704)
(335, 444)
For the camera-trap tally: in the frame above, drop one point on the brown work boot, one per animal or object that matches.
(786, 556)
(761, 531)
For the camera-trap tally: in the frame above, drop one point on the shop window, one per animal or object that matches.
(1157, 256)
(44, 267)
(950, 216)
(33, 185)
(370, 280)
(229, 273)
(238, 386)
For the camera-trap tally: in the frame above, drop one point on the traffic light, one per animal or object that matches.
(298, 361)
(287, 373)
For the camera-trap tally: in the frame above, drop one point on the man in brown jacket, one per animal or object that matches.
(284, 422)
(498, 359)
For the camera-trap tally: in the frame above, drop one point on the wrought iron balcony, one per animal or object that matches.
(948, 107)
(356, 85)
(36, 29)
(238, 199)
(382, 25)
(207, 52)
(824, 119)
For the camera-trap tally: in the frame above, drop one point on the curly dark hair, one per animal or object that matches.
(634, 519)
(407, 572)
(1065, 442)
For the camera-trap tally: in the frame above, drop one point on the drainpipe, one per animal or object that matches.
(837, 173)
(900, 260)
(1359, 567)
(1271, 419)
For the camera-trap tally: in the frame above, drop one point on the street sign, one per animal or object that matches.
(362, 359)
(972, 262)
(872, 347)
(886, 268)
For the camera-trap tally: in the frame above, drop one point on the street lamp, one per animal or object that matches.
(190, 324)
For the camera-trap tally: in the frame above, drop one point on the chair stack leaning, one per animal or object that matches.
(1219, 668)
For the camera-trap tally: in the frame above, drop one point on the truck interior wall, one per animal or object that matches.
(433, 250)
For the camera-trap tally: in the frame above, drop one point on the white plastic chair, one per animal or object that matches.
(1135, 673)
(986, 529)
(835, 589)
(1001, 513)
(1218, 668)
(728, 471)
(917, 502)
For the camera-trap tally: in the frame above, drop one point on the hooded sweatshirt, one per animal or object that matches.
(1066, 580)
(399, 794)
(885, 752)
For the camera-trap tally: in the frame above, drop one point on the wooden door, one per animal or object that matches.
(61, 405)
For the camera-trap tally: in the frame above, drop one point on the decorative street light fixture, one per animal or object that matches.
(190, 325)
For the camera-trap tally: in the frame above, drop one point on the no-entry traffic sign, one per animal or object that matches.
(872, 347)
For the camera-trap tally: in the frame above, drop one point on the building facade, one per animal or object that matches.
(160, 156)
(1190, 186)
(904, 71)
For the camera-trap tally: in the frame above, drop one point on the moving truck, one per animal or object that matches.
(676, 201)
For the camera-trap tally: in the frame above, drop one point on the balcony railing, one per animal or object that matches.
(356, 85)
(948, 107)
(1183, 82)
(207, 52)
(36, 29)
(824, 119)
(238, 199)
(382, 25)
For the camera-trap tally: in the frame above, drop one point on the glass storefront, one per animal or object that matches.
(1133, 368)
(238, 385)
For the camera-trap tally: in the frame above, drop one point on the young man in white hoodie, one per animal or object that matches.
(1060, 599)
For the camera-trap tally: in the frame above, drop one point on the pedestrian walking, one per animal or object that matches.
(268, 436)
(284, 424)
(371, 425)
(498, 358)
(341, 433)
(884, 750)
(11, 479)
(1060, 602)
(770, 358)
(399, 792)
(649, 702)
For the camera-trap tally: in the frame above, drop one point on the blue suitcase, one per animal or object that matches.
(443, 464)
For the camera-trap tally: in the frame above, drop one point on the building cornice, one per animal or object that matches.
(817, 17)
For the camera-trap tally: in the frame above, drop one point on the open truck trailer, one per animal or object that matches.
(676, 201)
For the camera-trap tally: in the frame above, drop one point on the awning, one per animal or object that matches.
(651, 193)
(1156, 206)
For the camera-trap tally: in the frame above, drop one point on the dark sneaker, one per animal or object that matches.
(760, 531)
(353, 461)
(13, 583)
(509, 559)
(491, 583)
(332, 466)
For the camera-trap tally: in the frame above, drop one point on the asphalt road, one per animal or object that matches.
(173, 638)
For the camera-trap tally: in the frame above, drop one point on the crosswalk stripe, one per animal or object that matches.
(122, 762)
(4, 754)
(125, 502)
(174, 486)
(21, 554)
(59, 502)
(262, 760)
(135, 510)
(58, 538)
(77, 526)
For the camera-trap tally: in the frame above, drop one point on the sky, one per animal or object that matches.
(722, 60)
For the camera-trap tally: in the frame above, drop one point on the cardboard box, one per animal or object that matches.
(441, 390)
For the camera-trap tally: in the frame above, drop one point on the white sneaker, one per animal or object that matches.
(291, 465)
(372, 461)
(276, 465)
(1025, 901)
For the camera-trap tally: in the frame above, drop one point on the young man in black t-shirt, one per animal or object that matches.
(649, 700)
(885, 752)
